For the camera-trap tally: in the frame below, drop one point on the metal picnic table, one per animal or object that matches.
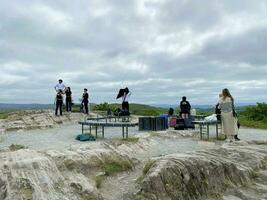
(204, 127)
(124, 125)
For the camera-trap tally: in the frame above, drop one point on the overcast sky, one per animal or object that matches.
(161, 49)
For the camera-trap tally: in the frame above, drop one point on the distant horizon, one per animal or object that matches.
(153, 104)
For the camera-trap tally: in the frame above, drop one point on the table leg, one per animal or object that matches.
(217, 135)
(82, 128)
(208, 131)
(103, 131)
(127, 132)
(96, 131)
(200, 128)
(90, 129)
(122, 132)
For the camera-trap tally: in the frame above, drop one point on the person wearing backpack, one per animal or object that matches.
(185, 108)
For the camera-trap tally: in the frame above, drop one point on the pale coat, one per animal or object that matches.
(229, 122)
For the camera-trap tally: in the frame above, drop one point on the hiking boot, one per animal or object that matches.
(236, 138)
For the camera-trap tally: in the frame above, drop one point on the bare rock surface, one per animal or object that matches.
(53, 174)
(36, 119)
(226, 172)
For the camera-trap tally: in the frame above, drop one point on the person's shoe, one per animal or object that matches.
(236, 138)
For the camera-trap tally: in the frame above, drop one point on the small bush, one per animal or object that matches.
(15, 147)
(115, 166)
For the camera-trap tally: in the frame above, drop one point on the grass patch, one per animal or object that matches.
(112, 167)
(116, 166)
(255, 174)
(69, 164)
(15, 147)
(244, 121)
(132, 139)
(146, 168)
(4, 115)
(99, 180)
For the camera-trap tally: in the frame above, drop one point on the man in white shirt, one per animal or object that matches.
(125, 99)
(60, 86)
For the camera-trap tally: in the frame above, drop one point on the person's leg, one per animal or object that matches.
(67, 105)
(60, 107)
(56, 108)
(127, 105)
(123, 106)
(86, 107)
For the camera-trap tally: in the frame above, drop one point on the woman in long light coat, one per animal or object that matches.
(229, 121)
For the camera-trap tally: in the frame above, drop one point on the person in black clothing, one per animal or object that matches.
(125, 99)
(59, 102)
(68, 99)
(85, 101)
(185, 108)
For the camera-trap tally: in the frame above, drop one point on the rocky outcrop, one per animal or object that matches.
(203, 174)
(65, 174)
(36, 119)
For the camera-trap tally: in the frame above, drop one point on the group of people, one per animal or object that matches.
(62, 90)
(225, 111)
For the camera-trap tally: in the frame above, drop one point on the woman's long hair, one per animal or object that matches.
(226, 93)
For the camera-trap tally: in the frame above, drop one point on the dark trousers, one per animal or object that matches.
(125, 105)
(85, 104)
(68, 105)
(59, 106)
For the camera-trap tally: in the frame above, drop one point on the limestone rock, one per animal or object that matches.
(202, 174)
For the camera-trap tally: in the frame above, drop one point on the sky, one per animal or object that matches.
(161, 49)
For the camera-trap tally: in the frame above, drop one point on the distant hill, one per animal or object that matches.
(10, 107)
(198, 106)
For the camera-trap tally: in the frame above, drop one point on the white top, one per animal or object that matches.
(60, 86)
(226, 105)
(126, 97)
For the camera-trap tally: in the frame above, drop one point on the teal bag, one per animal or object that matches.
(85, 137)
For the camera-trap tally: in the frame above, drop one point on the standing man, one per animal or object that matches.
(85, 100)
(60, 86)
(125, 99)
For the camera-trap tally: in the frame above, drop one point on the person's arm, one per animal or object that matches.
(64, 89)
(55, 88)
(189, 106)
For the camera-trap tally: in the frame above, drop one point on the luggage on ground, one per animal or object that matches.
(172, 121)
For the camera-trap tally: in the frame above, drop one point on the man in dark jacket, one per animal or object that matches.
(185, 108)
(85, 101)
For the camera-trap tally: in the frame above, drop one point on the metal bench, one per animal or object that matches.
(124, 125)
(204, 127)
